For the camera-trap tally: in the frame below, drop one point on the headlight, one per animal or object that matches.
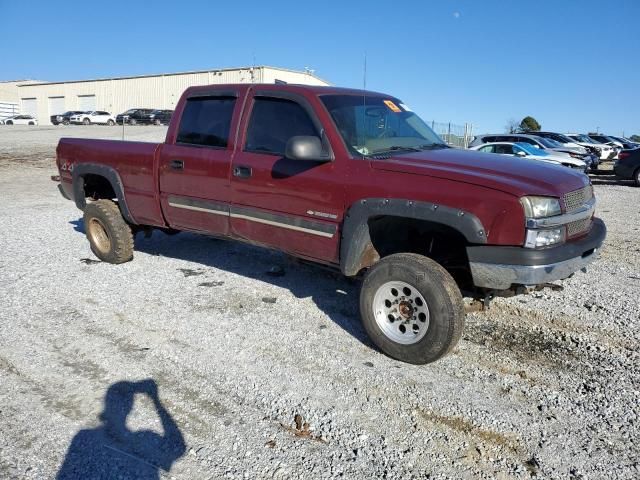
(544, 238)
(540, 207)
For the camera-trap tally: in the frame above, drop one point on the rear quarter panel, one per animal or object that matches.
(134, 162)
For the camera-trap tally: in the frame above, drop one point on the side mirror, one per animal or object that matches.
(306, 148)
(520, 153)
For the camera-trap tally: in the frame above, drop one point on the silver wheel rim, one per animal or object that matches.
(401, 312)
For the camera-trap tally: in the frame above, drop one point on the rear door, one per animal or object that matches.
(295, 206)
(194, 170)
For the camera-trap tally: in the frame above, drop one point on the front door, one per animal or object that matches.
(194, 171)
(295, 206)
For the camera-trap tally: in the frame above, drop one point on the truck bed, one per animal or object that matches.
(134, 163)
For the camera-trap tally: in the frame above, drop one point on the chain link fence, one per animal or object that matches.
(455, 135)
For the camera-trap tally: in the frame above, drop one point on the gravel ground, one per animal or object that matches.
(263, 369)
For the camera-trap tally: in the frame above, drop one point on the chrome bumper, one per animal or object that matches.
(500, 276)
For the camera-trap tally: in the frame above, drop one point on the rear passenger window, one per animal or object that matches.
(206, 121)
(273, 122)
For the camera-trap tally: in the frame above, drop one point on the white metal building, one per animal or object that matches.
(116, 95)
(10, 98)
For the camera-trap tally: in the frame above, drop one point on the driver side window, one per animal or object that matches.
(273, 122)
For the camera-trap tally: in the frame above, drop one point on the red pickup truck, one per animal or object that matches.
(347, 178)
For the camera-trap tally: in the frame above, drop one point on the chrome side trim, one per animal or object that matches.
(198, 205)
(500, 276)
(298, 224)
(283, 225)
(586, 211)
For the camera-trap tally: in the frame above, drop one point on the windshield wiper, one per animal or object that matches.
(396, 148)
(433, 146)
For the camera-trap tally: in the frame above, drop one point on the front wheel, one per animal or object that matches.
(109, 235)
(9, 122)
(636, 177)
(132, 121)
(411, 308)
(86, 121)
(65, 122)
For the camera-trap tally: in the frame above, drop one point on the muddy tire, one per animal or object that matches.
(108, 233)
(411, 308)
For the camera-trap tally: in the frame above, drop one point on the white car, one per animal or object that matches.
(525, 150)
(19, 120)
(607, 152)
(87, 118)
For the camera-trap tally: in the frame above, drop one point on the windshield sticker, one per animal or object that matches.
(405, 108)
(392, 106)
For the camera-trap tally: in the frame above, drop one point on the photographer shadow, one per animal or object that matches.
(111, 450)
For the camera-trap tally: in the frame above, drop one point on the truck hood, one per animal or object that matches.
(515, 176)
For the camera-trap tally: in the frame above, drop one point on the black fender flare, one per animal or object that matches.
(78, 174)
(356, 248)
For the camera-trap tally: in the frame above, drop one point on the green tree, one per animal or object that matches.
(529, 124)
(635, 138)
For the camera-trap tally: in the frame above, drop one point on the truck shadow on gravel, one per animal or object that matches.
(332, 293)
(111, 450)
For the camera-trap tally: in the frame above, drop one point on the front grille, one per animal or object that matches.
(576, 199)
(578, 227)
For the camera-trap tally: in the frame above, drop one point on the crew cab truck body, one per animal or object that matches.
(350, 179)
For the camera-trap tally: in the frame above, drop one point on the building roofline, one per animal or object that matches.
(36, 83)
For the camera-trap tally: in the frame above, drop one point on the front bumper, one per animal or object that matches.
(498, 268)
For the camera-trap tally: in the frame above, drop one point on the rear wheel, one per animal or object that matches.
(157, 122)
(412, 308)
(636, 177)
(9, 122)
(111, 123)
(65, 122)
(86, 121)
(109, 235)
(31, 123)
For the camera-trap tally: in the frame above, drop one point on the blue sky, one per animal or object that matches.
(573, 65)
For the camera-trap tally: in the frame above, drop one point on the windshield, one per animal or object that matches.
(562, 138)
(531, 150)
(129, 112)
(549, 143)
(584, 139)
(371, 125)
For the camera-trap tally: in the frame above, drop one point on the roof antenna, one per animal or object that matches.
(364, 104)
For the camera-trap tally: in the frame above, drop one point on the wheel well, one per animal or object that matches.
(441, 243)
(98, 187)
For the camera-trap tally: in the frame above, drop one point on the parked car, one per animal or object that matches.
(627, 166)
(383, 198)
(64, 118)
(156, 117)
(525, 150)
(626, 143)
(97, 117)
(539, 142)
(606, 152)
(563, 140)
(134, 116)
(606, 139)
(19, 120)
